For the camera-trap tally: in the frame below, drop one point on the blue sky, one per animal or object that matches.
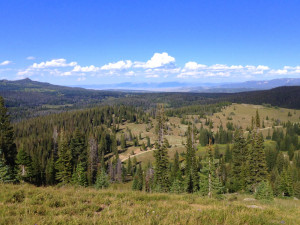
(95, 42)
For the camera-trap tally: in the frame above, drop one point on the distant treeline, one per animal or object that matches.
(26, 98)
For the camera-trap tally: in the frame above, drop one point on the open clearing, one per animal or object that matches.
(239, 114)
(26, 204)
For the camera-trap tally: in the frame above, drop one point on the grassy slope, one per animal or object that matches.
(242, 117)
(69, 205)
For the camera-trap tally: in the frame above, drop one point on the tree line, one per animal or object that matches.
(82, 148)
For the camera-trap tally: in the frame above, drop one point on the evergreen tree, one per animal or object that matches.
(93, 160)
(257, 119)
(161, 155)
(102, 149)
(286, 183)
(271, 156)
(78, 148)
(4, 171)
(191, 173)
(280, 162)
(264, 191)
(239, 161)
(217, 152)
(7, 145)
(176, 173)
(102, 180)
(257, 162)
(161, 168)
(297, 189)
(176, 187)
(24, 162)
(64, 161)
(123, 142)
(210, 184)
(138, 180)
(36, 170)
(148, 142)
(129, 166)
(50, 171)
(79, 176)
(134, 164)
(291, 152)
(228, 154)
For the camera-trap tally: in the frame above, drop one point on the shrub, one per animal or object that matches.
(17, 197)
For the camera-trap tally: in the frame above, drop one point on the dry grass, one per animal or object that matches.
(241, 115)
(118, 205)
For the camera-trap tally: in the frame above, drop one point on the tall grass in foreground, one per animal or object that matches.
(26, 204)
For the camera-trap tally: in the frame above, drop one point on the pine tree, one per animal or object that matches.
(102, 145)
(176, 187)
(64, 161)
(280, 162)
(264, 191)
(7, 145)
(176, 173)
(210, 184)
(161, 168)
(78, 148)
(257, 119)
(138, 180)
(129, 166)
(161, 155)
(148, 142)
(191, 173)
(123, 142)
(216, 152)
(134, 164)
(228, 154)
(36, 170)
(291, 152)
(297, 189)
(102, 180)
(286, 183)
(93, 160)
(50, 171)
(79, 176)
(4, 171)
(24, 162)
(257, 162)
(239, 161)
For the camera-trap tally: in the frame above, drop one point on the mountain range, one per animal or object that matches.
(196, 87)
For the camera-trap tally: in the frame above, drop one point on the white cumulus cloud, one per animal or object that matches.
(157, 60)
(118, 65)
(54, 63)
(91, 68)
(193, 66)
(6, 62)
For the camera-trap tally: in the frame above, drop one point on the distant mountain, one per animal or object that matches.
(27, 98)
(31, 98)
(196, 87)
(246, 86)
(33, 93)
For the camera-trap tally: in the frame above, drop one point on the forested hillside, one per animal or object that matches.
(86, 147)
(27, 98)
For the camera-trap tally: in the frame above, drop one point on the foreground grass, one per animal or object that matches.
(69, 205)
